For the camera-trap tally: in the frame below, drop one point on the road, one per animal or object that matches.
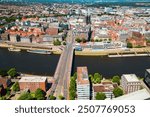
(63, 70)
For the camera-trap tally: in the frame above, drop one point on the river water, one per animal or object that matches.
(46, 64)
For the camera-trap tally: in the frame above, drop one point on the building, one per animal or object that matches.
(104, 87)
(33, 83)
(137, 95)
(83, 84)
(52, 31)
(147, 77)
(6, 82)
(1, 89)
(130, 83)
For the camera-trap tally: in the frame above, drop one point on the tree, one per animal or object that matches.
(40, 94)
(97, 78)
(25, 96)
(56, 42)
(51, 97)
(78, 40)
(12, 72)
(100, 96)
(118, 92)
(116, 79)
(15, 86)
(72, 88)
(3, 72)
(61, 97)
(129, 45)
(75, 75)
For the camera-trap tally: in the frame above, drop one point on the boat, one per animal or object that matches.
(14, 49)
(39, 51)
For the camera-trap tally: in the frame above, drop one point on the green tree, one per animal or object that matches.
(75, 75)
(61, 97)
(78, 40)
(129, 45)
(116, 79)
(25, 96)
(100, 96)
(118, 92)
(12, 72)
(97, 78)
(15, 87)
(51, 97)
(57, 42)
(72, 88)
(40, 94)
(3, 73)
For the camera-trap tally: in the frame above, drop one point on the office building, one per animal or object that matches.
(130, 83)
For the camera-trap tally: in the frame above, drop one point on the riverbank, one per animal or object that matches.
(145, 51)
(115, 52)
(24, 46)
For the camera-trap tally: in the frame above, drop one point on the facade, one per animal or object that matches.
(147, 77)
(6, 82)
(83, 84)
(130, 83)
(33, 83)
(104, 87)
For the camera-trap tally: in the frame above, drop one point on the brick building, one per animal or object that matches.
(52, 31)
(33, 83)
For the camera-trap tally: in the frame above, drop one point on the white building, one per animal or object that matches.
(83, 85)
(130, 83)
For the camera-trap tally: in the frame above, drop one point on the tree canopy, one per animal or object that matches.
(72, 88)
(51, 97)
(100, 96)
(118, 92)
(40, 94)
(116, 79)
(15, 87)
(25, 96)
(96, 79)
(12, 72)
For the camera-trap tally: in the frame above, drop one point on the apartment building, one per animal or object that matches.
(83, 84)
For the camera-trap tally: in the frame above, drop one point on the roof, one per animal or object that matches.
(131, 77)
(148, 70)
(138, 95)
(103, 87)
(82, 75)
(33, 79)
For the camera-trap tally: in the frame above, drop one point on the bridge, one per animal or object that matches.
(63, 70)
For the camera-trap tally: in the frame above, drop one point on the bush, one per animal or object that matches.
(129, 45)
(51, 97)
(100, 96)
(118, 92)
(61, 97)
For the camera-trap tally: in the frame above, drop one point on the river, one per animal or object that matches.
(46, 64)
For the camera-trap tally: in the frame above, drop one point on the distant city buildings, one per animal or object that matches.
(130, 83)
(83, 84)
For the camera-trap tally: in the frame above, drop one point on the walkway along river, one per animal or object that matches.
(46, 64)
